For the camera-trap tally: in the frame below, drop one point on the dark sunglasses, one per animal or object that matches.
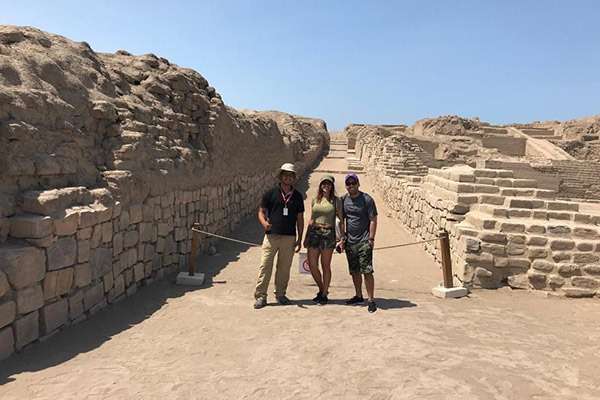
(351, 183)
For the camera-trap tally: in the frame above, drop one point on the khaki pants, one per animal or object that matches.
(283, 247)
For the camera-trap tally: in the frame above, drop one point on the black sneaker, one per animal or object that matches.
(372, 307)
(260, 303)
(323, 300)
(355, 300)
(283, 300)
(317, 298)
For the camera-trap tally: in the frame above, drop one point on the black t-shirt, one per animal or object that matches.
(273, 202)
(359, 212)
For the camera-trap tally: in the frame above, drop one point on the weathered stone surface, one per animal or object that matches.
(8, 312)
(578, 292)
(26, 329)
(537, 253)
(23, 265)
(585, 258)
(537, 280)
(4, 286)
(542, 265)
(561, 244)
(54, 315)
(93, 295)
(130, 239)
(146, 232)
(7, 343)
(118, 243)
(83, 251)
(53, 202)
(593, 269)
(76, 305)
(568, 270)
(29, 299)
(101, 262)
(555, 281)
(31, 226)
(66, 225)
(499, 238)
(107, 232)
(82, 275)
(519, 281)
(62, 254)
(135, 214)
(585, 282)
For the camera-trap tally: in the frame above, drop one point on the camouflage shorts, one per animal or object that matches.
(321, 238)
(360, 258)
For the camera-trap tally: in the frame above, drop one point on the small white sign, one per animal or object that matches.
(303, 266)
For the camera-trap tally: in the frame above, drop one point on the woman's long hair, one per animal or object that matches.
(331, 193)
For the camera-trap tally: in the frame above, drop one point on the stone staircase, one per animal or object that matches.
(509, 231)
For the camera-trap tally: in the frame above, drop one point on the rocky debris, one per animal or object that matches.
(451, 125)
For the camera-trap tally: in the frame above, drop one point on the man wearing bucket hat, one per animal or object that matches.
(320, 235)
(360, 215)
(281, 213)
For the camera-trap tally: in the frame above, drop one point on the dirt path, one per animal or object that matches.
(169, 342)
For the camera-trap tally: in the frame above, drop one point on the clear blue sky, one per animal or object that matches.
(359, 61)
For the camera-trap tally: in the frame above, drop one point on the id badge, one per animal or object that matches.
(285, 211)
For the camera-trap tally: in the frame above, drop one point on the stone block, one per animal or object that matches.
(31, 226)
(117, 290)
(585, 282)
(101, 261)
(562, 206)
(107, 232)
(26, 329)
(508, 227)
(66, 225)
(555, 281)
(83, 251)
(44, 242)
(518, 281)
(521, 263)
(568, 269)
(138, 272)
(578, 292)
(537, 253)
(585, 258)
(108, 281)
(87, 216)
(560, 216)
(537, 241)
(543, 265)
(124, 220)
(4, 285)
(526, 203)
(8, 312)
(118, 243)
(495, 249)
(586, 233)
(29, 299)
(584, 246)
(514, 249)
(53, 316)
(519, 213)
(62, 254)
(76, 305)
(7, 343)
(147, 213)
(537, 229)
(592, 269)
(93, 295)
(562, 256)
(536, 280)
(146, 232)
(82, 275)
(96, 239)
(559, 230)
(483, 260)
(23, 265)
(490, 237)
(135, 214)
(85, 233)
(562, 244)
(131, 239)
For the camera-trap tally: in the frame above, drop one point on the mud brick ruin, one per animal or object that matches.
(521, 203)
(106, 161)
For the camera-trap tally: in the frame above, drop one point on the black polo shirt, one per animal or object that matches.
(273, 202)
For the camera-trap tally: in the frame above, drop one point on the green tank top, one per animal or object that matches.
(323, 212)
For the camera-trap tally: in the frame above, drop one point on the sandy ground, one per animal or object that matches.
(169, 342)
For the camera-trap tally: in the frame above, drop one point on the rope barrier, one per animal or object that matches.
(258, 245)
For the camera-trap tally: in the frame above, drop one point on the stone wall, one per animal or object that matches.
(106, 162)
(503, 229)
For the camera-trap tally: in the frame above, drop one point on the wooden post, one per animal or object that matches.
(446, 259)
(193, 253)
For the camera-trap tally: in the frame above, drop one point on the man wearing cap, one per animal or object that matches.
(360, 214)
(281, 213)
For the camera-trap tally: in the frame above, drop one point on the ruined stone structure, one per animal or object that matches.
(511, 220)
(106, 161)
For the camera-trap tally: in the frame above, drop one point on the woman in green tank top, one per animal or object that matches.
(320, 239)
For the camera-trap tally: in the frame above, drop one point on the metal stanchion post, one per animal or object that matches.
(447, 289)
(193, 254)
